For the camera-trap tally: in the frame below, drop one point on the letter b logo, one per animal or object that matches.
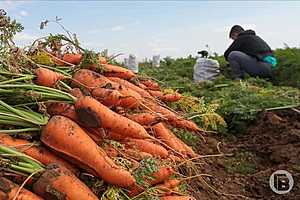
(281, 182)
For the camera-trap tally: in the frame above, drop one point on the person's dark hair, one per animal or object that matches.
(235, 29)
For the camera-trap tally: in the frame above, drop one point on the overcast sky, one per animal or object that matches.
(168, 28)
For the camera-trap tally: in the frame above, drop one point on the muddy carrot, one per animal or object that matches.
(8, 191)
(94, 114)
(127, 84)
(148, 147)
(65, 136)
(145, 119)
(58, 182)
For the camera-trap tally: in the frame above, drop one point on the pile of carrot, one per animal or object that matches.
(102, 120)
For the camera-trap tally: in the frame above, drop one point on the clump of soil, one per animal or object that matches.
(273, 143)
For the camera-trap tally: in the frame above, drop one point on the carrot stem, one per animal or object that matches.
(27, 77)
(22, 130)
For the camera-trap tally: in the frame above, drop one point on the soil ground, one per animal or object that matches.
(271, 144)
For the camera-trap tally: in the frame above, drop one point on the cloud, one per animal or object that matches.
(25, 37)
(23, 13)
(117, 28)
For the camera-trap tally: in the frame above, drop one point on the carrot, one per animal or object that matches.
(145, 118)
(133, 87)
(89, 78)
(68, 110)
(111, 97)
(183, 123)
(171, 97)
(46, 77)
(8, 190)
(169, 184)
(102, 60)
(72, 58)
(163, 133)
(93, 114)
(165, 97)
(154, 107)
(115, 136)
(148, 147)
(161, 175)
(150, 84)
(65, 136)
(116, 71)
(62, 108)
(59, 183)
(37, 152)
(93, 80)
(177, 198)
(136, 154)
(76, 92)
(157, 94)
(141, 85)
(173, 119)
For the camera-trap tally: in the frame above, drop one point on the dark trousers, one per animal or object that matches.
(241, 63)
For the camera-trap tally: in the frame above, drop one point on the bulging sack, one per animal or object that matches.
(156, 61)
(206, 69)
(132, 64)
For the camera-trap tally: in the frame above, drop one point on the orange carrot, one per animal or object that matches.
(76, 92)
(147, 146)
(169, 184)
(8, 190)
(145, 119)
(68, 110)
(154, 107)
(183, 123)
(94, 80)
(37, 152)
(111, 97)
(157, 94)
(90, 79)
(62, 108)
(141, 85)
(161, 175)
(116, 71)
(165, 97)
(177, 198)
(93, 114)
(72, 58)
(136, 154)
(163, 133)
(115, 136)
(150, 84)
(173, 119)
(46, 77)
(133, 87)
(171, 97)
(102, 60)
(59, 183)
(65, 136)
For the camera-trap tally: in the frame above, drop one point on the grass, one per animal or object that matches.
(238, 102)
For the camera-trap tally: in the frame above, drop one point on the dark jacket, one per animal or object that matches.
(249, 43)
